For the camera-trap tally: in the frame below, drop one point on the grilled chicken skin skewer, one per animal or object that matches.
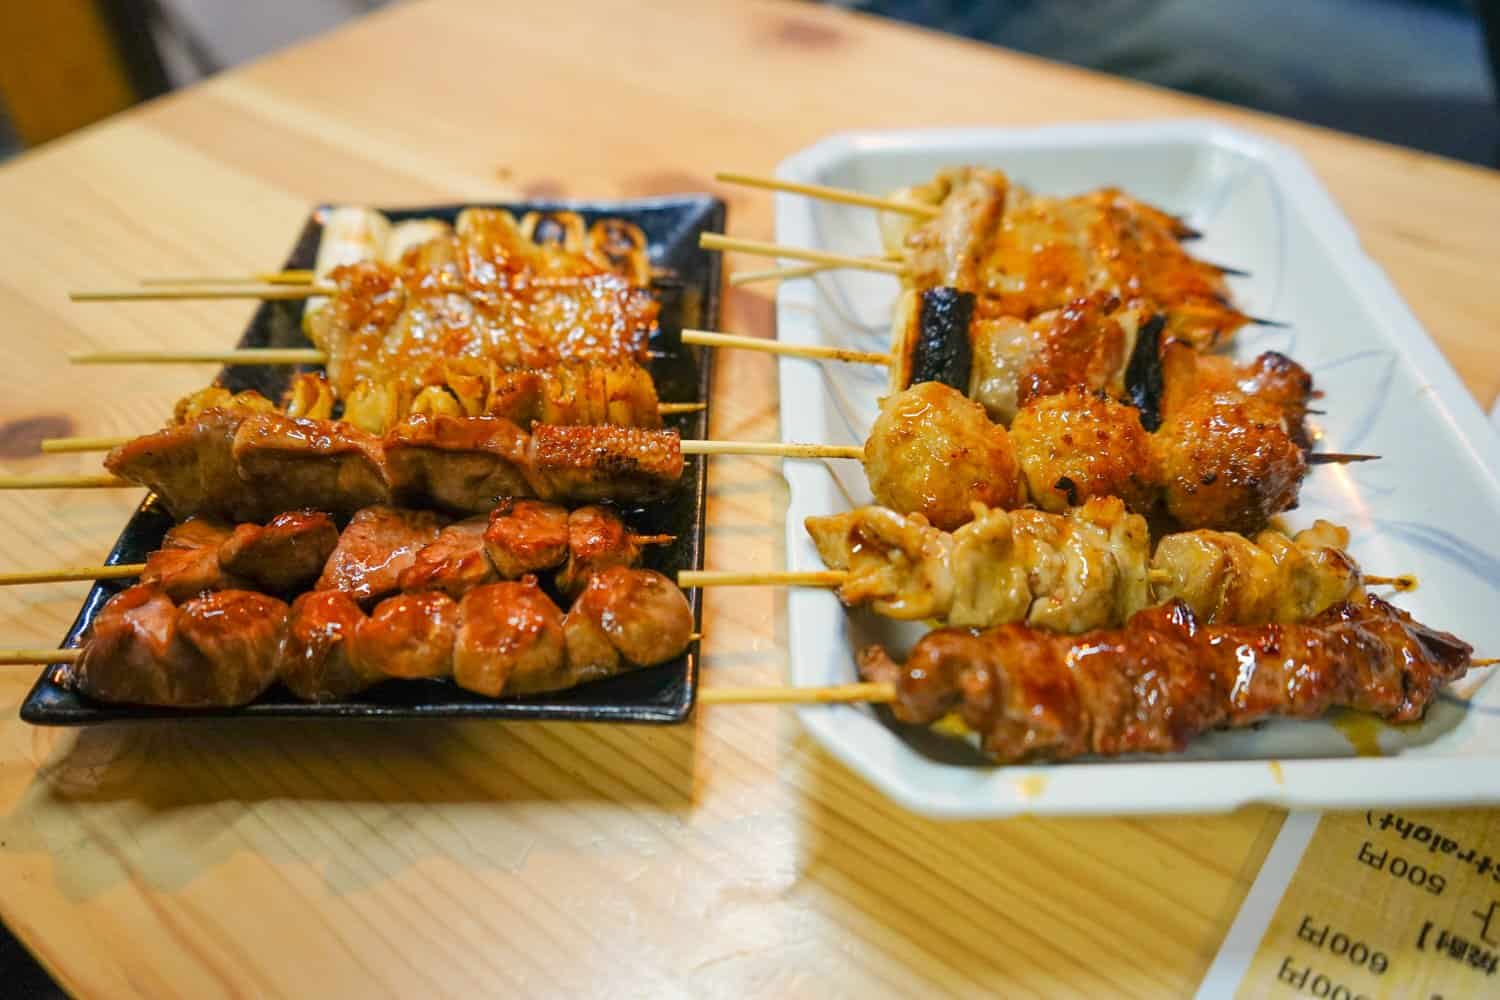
(1024, 254)
(228, 647)
(1089, 568)
(385, 550)
(1223, 460)
(1165, 678)
(570, 394)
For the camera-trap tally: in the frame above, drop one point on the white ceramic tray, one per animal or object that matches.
(1431, 505)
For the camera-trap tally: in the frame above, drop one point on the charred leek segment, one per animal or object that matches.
(930, 339)
(1089, 568)
(1144, 380)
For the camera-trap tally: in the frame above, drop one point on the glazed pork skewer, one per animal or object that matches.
(227, 648)
(1165, 678)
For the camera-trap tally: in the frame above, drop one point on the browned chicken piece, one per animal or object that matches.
(572, 393)
(1068, 573)
(1165, 678)
(284, 555)
(934, 452)
(510, 641)
(1078, 445)
(1226, 577)
(308, 397)
(378, 545)
(526, 536)
(1024, 254)
(597, 540)
(626, 618)
(189, 465)
(281, 463)
(589, 464)
(948, 249)
(216, 397)
(217, 650)
(1229, 462)
(456, 464)
(1086, 344)
(1270, 378)
(455, 562)
(187, 564)
(317, 660)
(409, 636)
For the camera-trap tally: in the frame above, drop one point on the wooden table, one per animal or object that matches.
(726, 856)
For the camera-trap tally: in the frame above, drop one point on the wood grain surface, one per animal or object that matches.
(728, 856)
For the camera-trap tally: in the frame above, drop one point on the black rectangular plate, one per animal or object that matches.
(659, 694)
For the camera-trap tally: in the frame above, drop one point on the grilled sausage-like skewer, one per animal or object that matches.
(1165, 678)
(228, 647)
(1223, 460)
(1089, 568)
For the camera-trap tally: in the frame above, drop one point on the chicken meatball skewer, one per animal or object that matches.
(1223, 461)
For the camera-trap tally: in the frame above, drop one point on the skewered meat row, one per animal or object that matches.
(570, 393)
(486, 290)
(1165, 678)
(1090, 343)
(384, 550)
(251, 466)
(1086, 569)
(227, 648)
(1222, 460)
(1024, 254)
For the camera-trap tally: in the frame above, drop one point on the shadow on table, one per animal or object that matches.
(355, 799)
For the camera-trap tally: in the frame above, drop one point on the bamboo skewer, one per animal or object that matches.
(716, 241)
(18, 657)
(120, 571)
(824, 193)
(777, 274)
(73, 482)
(268, 293)
(288, 277)
(707, 338)
(832, 694)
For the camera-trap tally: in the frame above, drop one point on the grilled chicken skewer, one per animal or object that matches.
(1087, 569)
(1165, 678)
(228, 647)
(1092, 343)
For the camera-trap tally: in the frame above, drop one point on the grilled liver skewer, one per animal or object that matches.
(226, 648)
(1090, 568)
(1165, 678)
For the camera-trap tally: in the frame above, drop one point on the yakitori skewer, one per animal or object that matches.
(825, 193)
(717, 241)
(1093, 567)
(266, 293)
(1167, 677)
